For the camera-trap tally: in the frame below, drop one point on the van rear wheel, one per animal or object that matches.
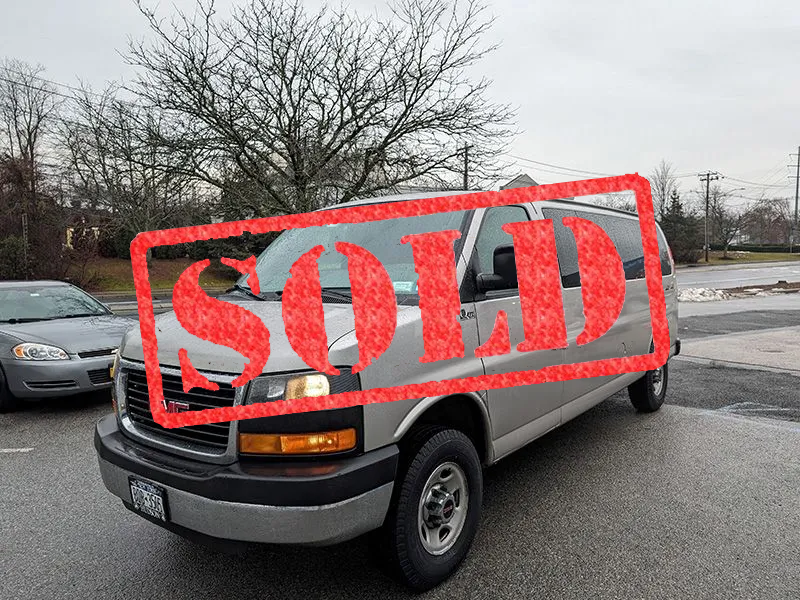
(648, 392)
(436, 510)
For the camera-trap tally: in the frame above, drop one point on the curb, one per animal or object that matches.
(727, 364)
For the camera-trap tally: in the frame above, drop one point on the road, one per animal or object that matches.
(693, 501)
(717, 276)
(728, 276)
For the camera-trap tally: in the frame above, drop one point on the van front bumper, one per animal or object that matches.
(315, 502)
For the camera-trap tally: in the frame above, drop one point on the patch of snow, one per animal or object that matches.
(702, 295)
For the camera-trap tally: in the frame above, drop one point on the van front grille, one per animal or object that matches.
(212, 435)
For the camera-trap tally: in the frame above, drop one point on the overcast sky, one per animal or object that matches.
(705, 85)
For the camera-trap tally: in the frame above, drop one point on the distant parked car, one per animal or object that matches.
(55, 340)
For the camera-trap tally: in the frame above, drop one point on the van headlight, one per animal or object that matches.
(34, 351)
(326, 431)
(270, 388)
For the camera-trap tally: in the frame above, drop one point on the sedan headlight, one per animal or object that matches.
(33, 351)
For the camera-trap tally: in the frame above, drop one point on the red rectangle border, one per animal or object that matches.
(407, 208)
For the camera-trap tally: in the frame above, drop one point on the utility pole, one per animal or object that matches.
(795, 223)
(708, 177)
(25, 243)
(466, 167)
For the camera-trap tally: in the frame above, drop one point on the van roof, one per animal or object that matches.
(439, 194)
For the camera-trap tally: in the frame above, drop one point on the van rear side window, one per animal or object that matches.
(663, 253)
(627, 237)
(565, 246)
(623, 231)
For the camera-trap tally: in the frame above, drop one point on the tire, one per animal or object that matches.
(424, 543)
(8, 402)
(647, 393)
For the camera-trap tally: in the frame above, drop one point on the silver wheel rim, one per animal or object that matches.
(443, 508)
(658, 381)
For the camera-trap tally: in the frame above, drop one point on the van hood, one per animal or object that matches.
(206, 356)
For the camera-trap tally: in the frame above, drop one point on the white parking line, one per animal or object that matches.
(13, 450)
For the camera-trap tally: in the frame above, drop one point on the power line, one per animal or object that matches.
(752, 183)
(33, 87)
(773, 172)
(582, 171)
(40, 78)
(54, 83)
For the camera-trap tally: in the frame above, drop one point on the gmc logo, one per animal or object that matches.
(175, 407)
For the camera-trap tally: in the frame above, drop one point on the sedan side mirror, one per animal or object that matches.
(505, 271)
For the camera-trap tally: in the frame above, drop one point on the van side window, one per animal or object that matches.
(627, 237)
(663, 253)
(491, 234)
(566, 247)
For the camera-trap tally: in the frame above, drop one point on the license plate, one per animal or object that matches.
(149, 499)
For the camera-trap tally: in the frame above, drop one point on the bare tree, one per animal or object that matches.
(315, 109)
(116, 163)
(728, 222)
(769, 221)
(662, 184)
(28, 106)
(619, 200)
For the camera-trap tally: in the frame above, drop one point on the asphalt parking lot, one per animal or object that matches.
(695, 501)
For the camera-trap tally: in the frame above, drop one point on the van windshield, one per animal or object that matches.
(381, 238)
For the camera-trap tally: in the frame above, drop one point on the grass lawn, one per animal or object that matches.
(115, 274)
(715, 257)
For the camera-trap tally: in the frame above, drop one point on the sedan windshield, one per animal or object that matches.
(41, 303)
(381, 238)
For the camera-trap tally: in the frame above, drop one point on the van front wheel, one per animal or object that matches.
(436, 510)
(647, 393)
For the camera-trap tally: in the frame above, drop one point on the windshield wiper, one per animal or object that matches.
(332, 293)
(245, 290)
(77, 315)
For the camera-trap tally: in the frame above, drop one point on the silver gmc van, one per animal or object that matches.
(408, 471)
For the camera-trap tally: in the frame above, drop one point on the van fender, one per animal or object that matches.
(476, 398)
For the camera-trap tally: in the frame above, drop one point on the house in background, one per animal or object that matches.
(521, 180)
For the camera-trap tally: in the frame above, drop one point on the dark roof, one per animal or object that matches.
(439, 194)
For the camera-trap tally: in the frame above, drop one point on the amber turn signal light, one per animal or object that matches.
(297, 443)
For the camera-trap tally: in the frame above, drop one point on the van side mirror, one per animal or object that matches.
(505, 271)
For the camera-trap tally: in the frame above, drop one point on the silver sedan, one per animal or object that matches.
(55, 340)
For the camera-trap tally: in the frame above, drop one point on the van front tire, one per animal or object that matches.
(436, 510)
(648, 392)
